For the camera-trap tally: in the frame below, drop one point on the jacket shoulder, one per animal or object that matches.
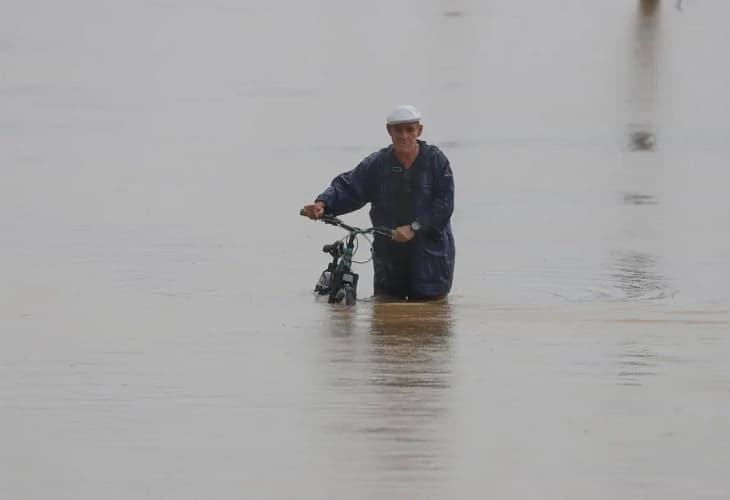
(377, 157)
(435, 153)
(375, 161)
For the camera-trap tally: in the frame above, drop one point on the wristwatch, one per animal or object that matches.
(416, 226)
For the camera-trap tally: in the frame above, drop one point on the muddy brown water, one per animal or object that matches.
(158, 333)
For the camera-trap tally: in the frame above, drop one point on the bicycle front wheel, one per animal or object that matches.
(346, 295)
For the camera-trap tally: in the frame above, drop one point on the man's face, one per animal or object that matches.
(405, 135)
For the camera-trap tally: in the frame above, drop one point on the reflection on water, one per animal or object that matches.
(389, 365)
(634, 273)
(453, 13)
(635, 363)
(649, 7)
(641, 139)
(639, 199)
(410, 343)
(410, 375)
(641, 133)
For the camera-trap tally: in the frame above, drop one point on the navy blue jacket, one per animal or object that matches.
(374, 181)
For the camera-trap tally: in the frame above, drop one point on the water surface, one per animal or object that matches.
(159, 337)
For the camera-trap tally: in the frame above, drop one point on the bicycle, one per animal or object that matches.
(338, 281)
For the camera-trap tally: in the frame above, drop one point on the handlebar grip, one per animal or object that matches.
(384, 231)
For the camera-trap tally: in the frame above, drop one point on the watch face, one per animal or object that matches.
(415, 225)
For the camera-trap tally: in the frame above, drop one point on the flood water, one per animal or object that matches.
(158, 333)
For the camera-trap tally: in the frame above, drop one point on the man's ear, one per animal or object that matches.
(420, 129)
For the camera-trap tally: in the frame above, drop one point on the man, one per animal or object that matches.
(410, 187)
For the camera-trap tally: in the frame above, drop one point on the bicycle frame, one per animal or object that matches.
(338, 281)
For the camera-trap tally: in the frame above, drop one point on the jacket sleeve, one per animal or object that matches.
(442, 206)
(349, 191)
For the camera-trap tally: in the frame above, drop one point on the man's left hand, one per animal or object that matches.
(403, 234)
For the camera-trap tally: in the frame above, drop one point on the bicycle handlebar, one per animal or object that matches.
(331, 219)
(334, 221)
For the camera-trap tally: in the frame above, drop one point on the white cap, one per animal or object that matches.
(405, 113)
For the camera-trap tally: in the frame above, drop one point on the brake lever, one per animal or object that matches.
(330, 219)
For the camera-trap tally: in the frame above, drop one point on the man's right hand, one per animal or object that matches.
(315, 210)
(403, 234)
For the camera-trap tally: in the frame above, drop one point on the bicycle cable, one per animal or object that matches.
(357, 241)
